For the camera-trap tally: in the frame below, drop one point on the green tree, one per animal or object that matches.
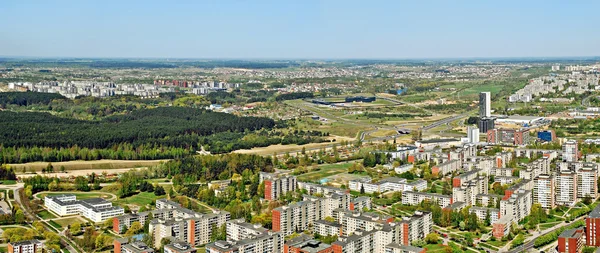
(75, 228)
(432, 238)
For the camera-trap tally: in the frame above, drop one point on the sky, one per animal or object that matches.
(303, 29)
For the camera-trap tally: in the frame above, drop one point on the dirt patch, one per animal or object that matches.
(86, 165)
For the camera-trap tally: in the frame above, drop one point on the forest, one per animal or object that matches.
(160, 133)
(27, 98)
(29, 129)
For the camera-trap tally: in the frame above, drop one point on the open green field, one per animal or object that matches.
(46, 215)
(435, 247)
(326, 170)
(78, 195)
(65, 222)
(140, 199)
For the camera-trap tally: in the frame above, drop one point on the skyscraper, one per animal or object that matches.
(485, 101)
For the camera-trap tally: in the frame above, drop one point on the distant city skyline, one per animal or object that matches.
(299, 30)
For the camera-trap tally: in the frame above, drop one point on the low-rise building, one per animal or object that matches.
(95, 209)
(306, 244)
(29, 246)
(179, 247)
(483, 212)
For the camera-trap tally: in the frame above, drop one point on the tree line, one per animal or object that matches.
(27, 98)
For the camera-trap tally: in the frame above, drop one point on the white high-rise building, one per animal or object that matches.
(543, 191)
(485, 104)
(472, 134)
(570, 151)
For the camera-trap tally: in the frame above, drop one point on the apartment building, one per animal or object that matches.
(397, 248)
(327, 228)
(415, 198)
(446, 168)
(517, 137)
(566, 188)
(352, 221)
(298, 216)
(182, 224)
(120, 223)
(29, 246)
(416, 227)
(571, 241)
(95, 209)
(320, 189)
(587, 182)
(570, 151)
(359, 203)
(179, 247)
(277, 184)
(482, 212)
(487, 199)
(517, 206)
(387, 184)
(244, 237)
(468, 191)
(501, 227)
(592, 228)
(544, 191)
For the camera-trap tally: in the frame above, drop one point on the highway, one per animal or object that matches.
(445, 121)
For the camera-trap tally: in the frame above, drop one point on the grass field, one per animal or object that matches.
(140, 199)
(46, 215)
(65, 222)
(78, 195)
(8, 182)
(326, 170)
(54, 224)
(435, 248)
(86, 165)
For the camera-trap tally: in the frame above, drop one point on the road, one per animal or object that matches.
(529, 245)
(445, 121)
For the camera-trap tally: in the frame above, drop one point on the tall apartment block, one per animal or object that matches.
(566, 187)
(172, 220)
(587, 182)
(570, 151)
(277, 184)
(543, 191)
(298, 216)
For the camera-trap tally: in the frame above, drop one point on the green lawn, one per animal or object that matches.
(325, 171)
(65, 222)
(54, 224)
(435, 248)
(8, 182)
(496, 243)
(140, 199)
(201, 250)
(3, 249)
(46, 215)
(78, 195)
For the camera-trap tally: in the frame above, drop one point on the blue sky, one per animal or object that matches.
(299, 29)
